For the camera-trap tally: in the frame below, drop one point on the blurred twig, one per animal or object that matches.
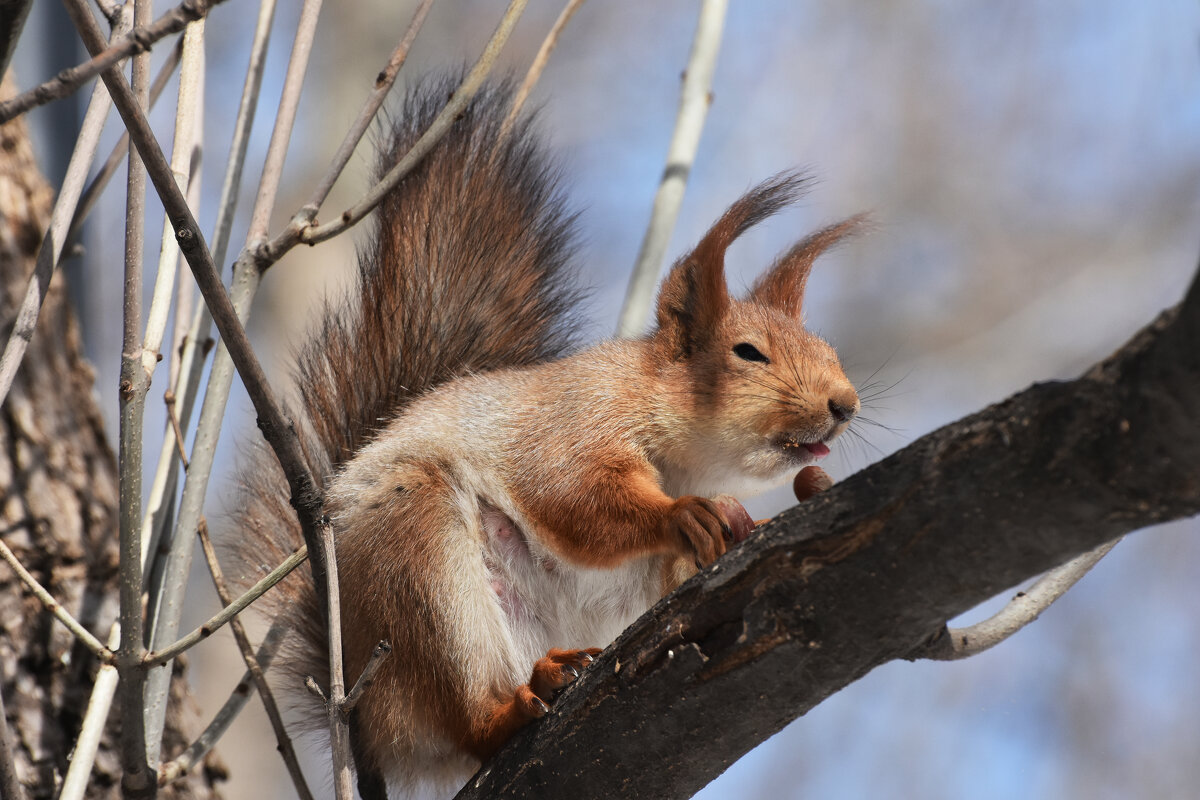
(10, 785)
(137, 778)
(51, 250)
(226, 715)
(538, 66)
(383, 84)
(54, 607)
(94, 188)
(694, 101)
(312, 234)
(135, 41)
(1024, 608)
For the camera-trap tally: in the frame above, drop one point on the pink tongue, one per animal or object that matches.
(818, 449)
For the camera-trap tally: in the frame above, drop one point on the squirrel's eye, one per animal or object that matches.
(748, 352)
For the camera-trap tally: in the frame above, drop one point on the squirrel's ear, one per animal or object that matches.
(694, 297)
(782, 287)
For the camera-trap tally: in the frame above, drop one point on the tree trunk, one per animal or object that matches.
(58, 512)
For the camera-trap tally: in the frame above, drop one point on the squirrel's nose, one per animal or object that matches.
(843, 408)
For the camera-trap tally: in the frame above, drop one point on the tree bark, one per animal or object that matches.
(58, 501)
(870, 571)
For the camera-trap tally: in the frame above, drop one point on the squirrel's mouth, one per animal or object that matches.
(797, 449)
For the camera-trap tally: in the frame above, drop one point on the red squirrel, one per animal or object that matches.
(502, 510)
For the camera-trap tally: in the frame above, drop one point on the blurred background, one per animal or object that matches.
(1033, 170)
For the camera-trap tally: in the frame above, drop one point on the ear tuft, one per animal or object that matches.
(782, 287)
(694, 297)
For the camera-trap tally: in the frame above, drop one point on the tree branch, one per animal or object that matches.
(1024, 608)
(871, 570)
(138, 40)
(54, 607)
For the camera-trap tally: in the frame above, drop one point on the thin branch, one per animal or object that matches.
(281, 134)
(138, 40)
(538, 66)
(1024, 608)
(83, 755)
(339, 726)
(162, 656)
(694, 101)
(251, 88)
(54, 607)
(168, 589)
(86, 144)
(378, 656)
(188, 124)
(136, 749)
(286, 750)
(313, 234)
(383, 84)
(196, 342)
(109, 8)
(10, 784)
(120, 150)
(278, 431)
(173, 584)
(233, 706)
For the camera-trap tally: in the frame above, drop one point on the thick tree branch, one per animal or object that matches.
(870, 572)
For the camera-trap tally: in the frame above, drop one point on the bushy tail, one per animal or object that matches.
(468, 270)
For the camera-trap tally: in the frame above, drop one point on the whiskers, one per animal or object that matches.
(855, 440)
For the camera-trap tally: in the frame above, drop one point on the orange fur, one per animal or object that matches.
(500, 514)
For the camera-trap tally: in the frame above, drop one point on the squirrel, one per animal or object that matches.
(503, 506)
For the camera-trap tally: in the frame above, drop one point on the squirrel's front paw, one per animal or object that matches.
(697, 526)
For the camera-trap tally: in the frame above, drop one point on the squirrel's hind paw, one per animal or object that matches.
(558, 669)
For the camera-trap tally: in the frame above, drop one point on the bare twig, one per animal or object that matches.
(339, 726)
(162, 656)
(225, 716)
(383, 84)
(138, 40)
(378, 656)
(54, 607)
(83, 755)
(276, 428)
(51, 249)
(253, 669)
(120, 150)
(170, 603)
(538, 66)
(1024, 608)
(188, 122)
(221, 376)
(313, 234)
(694, 101)
(281, 134)
(10, 784)
(169, 587)
(314, 689)
(137, 779)
(286, 750)
(196, 341)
